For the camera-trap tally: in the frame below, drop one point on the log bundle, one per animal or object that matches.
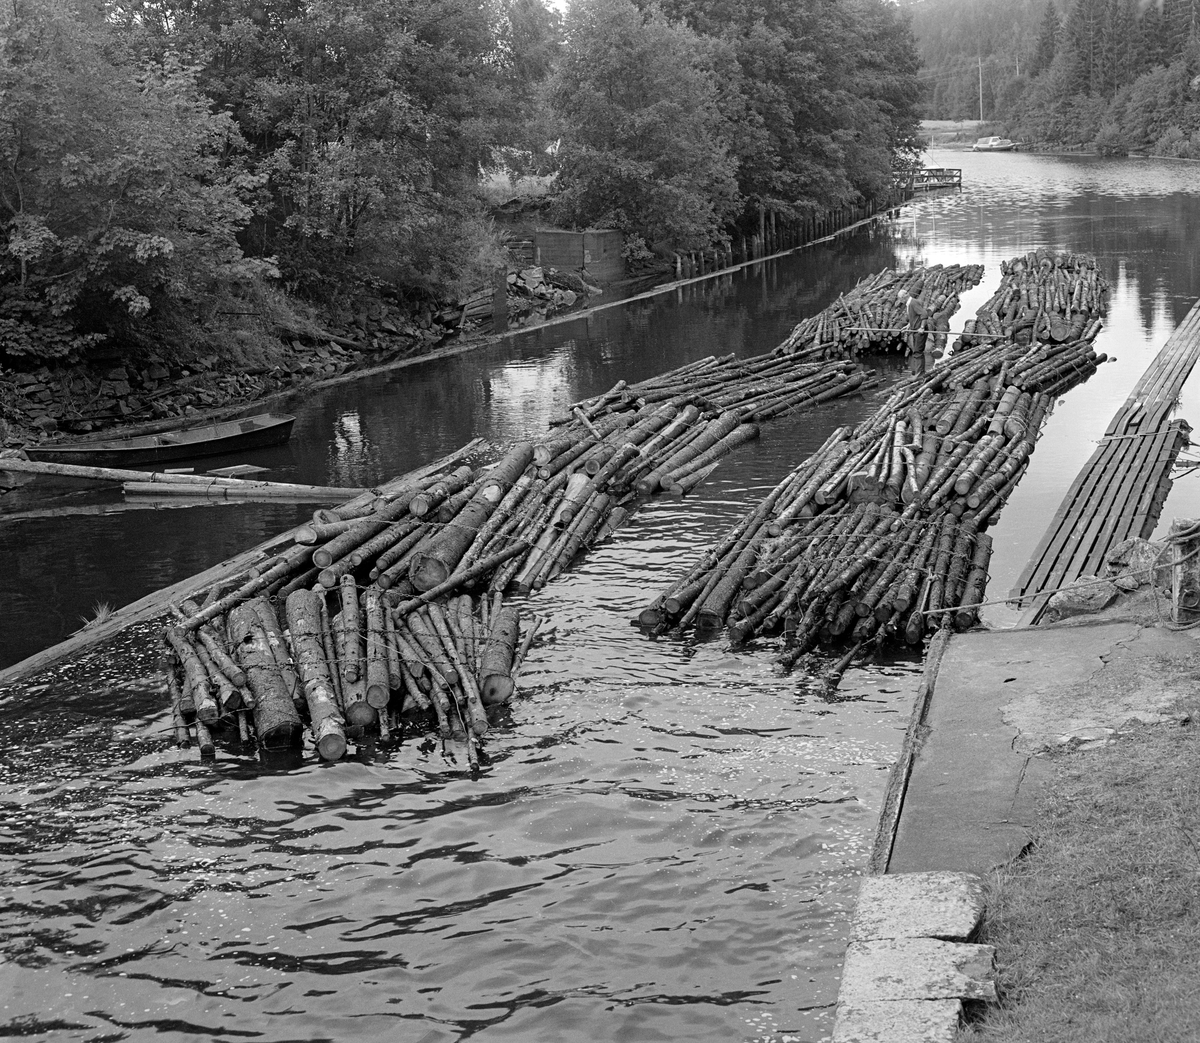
(1043, 296)
(874, 316)
(814, 364)
(340, 664)
(880, 533)
(391, 605)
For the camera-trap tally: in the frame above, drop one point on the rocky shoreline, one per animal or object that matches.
(109, 392)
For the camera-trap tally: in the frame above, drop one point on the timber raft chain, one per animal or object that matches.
(389, 612)
(879, 533)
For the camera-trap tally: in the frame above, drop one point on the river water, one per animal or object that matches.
(665, 841)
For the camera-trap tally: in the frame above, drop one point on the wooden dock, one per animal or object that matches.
(1120, 491)
(927, 179)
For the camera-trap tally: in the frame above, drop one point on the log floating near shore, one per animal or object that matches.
(880, 533)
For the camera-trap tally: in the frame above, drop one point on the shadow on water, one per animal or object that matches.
(665, 838)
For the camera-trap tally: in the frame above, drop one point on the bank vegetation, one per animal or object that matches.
(199, 178)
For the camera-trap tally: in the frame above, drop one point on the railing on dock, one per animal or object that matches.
(927, 179)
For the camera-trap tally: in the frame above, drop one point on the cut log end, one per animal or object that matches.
(427, 573)
(361, 713)
(378, 696)
(649, 617)
(331, 740)
(496, 689)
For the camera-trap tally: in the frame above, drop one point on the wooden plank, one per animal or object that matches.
(1105, 532)
(252, 491)
(108, 474)
(1078, 539)
(1095, 505)
(1119, 490)
(1057, 532)
(1148, 509)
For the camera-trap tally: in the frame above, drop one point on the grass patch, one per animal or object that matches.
(1097, 930)
(102, 610)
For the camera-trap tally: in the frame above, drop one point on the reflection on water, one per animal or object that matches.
(664, 841)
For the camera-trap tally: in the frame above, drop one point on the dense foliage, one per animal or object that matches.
(171, 167)
(1119, 74)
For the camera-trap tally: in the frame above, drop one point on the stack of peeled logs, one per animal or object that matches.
(875, 316)
(389, 608)
(880, 531)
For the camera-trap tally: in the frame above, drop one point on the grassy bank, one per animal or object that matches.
(1097, 930)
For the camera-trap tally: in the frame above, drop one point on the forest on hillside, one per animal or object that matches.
(1118, 75)
(188, 173)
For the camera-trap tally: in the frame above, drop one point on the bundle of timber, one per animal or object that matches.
(883, 313)
(284, 669)
(396, 562)
(874, 316)
(1042, 296)
(757, 388)
(879, 532)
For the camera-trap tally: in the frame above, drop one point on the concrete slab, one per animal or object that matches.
(1003, 697)
(898, 1021)
(917, 969)
(918, 905)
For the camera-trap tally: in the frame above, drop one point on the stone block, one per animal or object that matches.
(917, 969)
(898, 1021)
(919, 905)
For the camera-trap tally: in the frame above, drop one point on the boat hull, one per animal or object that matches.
(230, 436)
(994, 144)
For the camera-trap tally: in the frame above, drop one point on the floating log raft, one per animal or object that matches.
(1047, 297)
(880, 532)
(812, 365)
(891, 311)
(386, 570)
(448, 663)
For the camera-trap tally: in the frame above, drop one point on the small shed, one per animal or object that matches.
(598, 251)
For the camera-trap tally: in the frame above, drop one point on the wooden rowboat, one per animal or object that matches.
(187, 443)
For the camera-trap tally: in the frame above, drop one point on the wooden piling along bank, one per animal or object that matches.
(880, 533)
(391, 607)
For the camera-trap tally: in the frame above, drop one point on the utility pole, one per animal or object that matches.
(980, 88)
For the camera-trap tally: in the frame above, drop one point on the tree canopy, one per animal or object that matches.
(1120, 74)
(164, 160)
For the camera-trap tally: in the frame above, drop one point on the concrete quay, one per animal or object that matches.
(963, 795)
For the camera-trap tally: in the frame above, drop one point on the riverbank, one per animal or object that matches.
(1050, 773)
(119, 398)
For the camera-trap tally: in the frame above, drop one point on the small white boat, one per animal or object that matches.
(993, 144)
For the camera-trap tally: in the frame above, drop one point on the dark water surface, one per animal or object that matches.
(666, 841)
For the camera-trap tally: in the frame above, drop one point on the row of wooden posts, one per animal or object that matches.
(880, 532)
(776, 234)
(393, 606)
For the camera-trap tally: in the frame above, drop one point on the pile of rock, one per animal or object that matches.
(533, 295)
